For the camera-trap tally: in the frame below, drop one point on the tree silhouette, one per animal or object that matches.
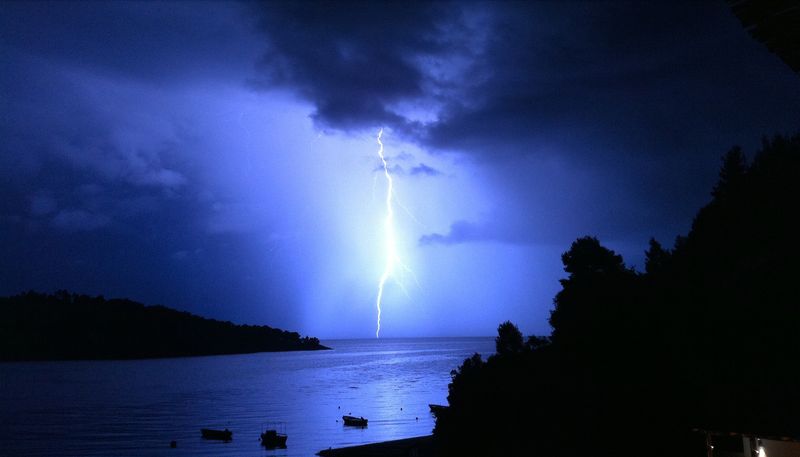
(595, 291)
(509, 339)
(731, 174)
(656, 258)
(706, 337)
(66, 326)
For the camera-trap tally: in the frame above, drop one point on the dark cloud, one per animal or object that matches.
(157, 42)
(648, 94)
(89, 131)
(42, 204)
(593, 78)
(395, 169)
(424, 170)
(460, 232)
(357, 60)
(100, 165)
(565, 119)
(79, 220)
(399, 170)
(618, 80)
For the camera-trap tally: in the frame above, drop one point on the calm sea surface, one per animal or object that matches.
(135, 408)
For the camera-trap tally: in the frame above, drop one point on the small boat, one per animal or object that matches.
(436, 409)
(272, 439)
(354, 421)
(211, 434)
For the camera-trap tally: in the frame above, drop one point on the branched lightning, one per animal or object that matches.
(392, 258)
(391, 247)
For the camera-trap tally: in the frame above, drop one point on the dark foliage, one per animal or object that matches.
(707, 337)
(773, 23)
(67, 326)
(509, 339)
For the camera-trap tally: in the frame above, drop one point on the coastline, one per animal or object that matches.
(67, 326)
(420, 446)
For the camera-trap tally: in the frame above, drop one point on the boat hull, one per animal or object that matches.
(271, 439)
(210, 434)
(353, 421)
(437, 409)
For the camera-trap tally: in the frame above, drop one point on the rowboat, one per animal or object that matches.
(354, 421)
(272, 439)
(211, 434)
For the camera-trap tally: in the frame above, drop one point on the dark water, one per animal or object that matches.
(135, 408)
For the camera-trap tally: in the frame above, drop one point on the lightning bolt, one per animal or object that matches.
(391, 247)
(392, 258)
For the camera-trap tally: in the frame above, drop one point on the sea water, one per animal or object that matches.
(135, 408)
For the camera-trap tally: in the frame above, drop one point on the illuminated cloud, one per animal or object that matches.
(174, 152)
(424, 170)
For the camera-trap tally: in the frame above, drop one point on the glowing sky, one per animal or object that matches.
(220, 157)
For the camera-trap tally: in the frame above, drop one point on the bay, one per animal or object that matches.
(136, 407)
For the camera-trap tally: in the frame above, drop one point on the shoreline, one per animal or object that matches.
(160, 357)
(420, 446)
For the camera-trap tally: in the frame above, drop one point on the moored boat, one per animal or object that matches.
(211, 434)
(272, 439)
(354, 421)
(436, 409)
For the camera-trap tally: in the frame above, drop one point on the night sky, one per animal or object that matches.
(221, 158)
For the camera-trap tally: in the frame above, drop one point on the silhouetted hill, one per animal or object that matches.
(67, 326)
(706, 337)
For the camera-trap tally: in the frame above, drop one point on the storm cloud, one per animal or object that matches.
(219, 157)
(647, 95)
(592, 79)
